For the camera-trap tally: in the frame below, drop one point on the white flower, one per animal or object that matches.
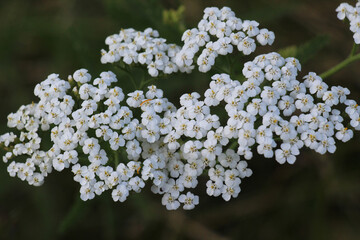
(213, 188)
(311, 138)
(327, 144)
(99, 187)
(205, 62)
(135, 98)
(82, 76)
(305, 102)
(59, 163)
(91, 146)
(36, 179)
(151, 133)
(230, 191)
(171, 139)
(344, 134)
(120, 193)
(330, 98)
(246, 136)
(211, 150)
(189, 200)
(246, 45)
(191, 149)
(232, 178)
(170, 202)
(154, 92)
(176, 168)
(153, 70)
(265, 37)
(286, 154)
(184, 58)
(244, 171)
(223, 46)
(269, 96)
(343, 10)
(251, 27)
(136, 184)
(116, 141)
(86, 192)
(266, 147)
(272, 72)
(285, 130)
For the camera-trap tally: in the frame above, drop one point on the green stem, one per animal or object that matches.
(116, 158)
(233, 145)
(353, 50)
(229, 65)
(340, 66)
(129, 75)
(221, 70)
(143, 83)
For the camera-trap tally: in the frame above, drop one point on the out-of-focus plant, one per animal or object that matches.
(175, 18)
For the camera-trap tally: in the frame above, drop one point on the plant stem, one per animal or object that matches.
(116, 158)
(230, 65)
(143, 83)
(340, 66)
(220, 70)
(129, 75)
(233, 145)
(353, 50)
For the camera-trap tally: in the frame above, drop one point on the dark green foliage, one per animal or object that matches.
(307, 50)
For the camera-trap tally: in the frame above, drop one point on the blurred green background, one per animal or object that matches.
(317, 198)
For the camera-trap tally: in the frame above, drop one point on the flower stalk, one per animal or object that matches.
(338, 67)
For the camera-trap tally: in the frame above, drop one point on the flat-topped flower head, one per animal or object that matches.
(119, 142)
(216, 34)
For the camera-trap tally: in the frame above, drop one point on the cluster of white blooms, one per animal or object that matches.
(111, 146)
(351, 13)
(145, 48)
(216, 34)
(90, 130)
(118, 143)
(98, 137)
(108, 148)
(270, 110)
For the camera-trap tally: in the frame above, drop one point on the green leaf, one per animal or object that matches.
(307, 50)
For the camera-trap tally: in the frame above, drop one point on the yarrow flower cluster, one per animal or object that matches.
(144, 48)
(87, 122)
(119, 142)
(351, 13)
(108, 148)
(216, 34)
(270, 109)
